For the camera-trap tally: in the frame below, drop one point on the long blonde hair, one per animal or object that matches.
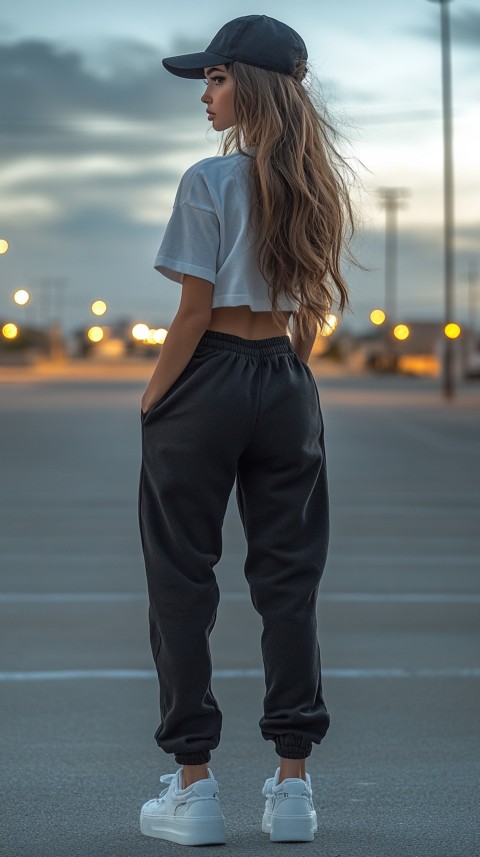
(300, 203)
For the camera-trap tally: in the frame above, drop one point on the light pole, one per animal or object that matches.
(51, 300)
(448, 385)
(391, 200)
(472, 278)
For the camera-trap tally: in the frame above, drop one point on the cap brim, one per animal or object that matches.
(193, 65)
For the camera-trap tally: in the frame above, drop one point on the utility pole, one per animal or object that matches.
(391, 199)
(472, 279)
(52, 294)
(448, 383)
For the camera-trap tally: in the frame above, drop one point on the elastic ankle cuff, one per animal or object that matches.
(292, 748)
(196, 757)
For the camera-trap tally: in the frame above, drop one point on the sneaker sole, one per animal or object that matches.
(290, 828)
(198, 831)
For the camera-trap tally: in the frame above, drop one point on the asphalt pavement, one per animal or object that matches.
(398, 772)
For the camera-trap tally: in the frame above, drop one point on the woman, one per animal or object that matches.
(255, 237)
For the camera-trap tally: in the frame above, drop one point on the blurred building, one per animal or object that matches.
(24, 345)
(420, 353)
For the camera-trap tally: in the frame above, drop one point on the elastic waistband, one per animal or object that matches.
(259, 347)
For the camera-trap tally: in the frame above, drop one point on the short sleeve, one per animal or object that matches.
(191, 241)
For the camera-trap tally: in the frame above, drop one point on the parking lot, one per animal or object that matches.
(398, 616)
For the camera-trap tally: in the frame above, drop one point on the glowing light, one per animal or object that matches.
(419, 364)
(160, 335)
(99, 307)
(452, 330)
(21, 297)
(10, 330)
(377, 316)
(140, 331)
(329, 325)
(95, 334)
(3, 246)
(150, 337)
(401, 331)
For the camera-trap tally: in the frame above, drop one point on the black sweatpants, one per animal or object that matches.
(244, 409)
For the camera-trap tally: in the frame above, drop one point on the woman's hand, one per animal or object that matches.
(147, 403)
(183, 336)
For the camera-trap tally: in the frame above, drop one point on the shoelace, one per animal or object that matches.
(267, 789)
(167, 778)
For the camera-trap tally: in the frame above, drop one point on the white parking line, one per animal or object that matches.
(353, 597)
(366, 673)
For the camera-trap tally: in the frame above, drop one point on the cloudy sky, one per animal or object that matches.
(96, 135)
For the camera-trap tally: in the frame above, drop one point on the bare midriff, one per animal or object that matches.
(244, 322)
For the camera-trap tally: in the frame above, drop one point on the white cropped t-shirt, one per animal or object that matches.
(208, 235)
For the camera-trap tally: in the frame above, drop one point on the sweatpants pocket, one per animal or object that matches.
(184, 376)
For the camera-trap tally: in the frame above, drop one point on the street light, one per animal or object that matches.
(452, 330)
(140, 331)
(161, 335)
(329, 325)
(472, 279)
(401, 331)
(391, 199)
(447, 193)
(99, 307)
(21, 297)
(10, 330)
(95, 334)
(377, 316)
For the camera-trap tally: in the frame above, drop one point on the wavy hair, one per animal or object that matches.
(300, 204)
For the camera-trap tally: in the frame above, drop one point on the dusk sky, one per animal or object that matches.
(96, 135)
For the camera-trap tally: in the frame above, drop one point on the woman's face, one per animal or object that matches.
(218, 97)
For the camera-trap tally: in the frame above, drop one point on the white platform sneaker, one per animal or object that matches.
(190, 816)
(289, 812)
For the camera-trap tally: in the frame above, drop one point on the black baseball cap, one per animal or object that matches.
(252, 39)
